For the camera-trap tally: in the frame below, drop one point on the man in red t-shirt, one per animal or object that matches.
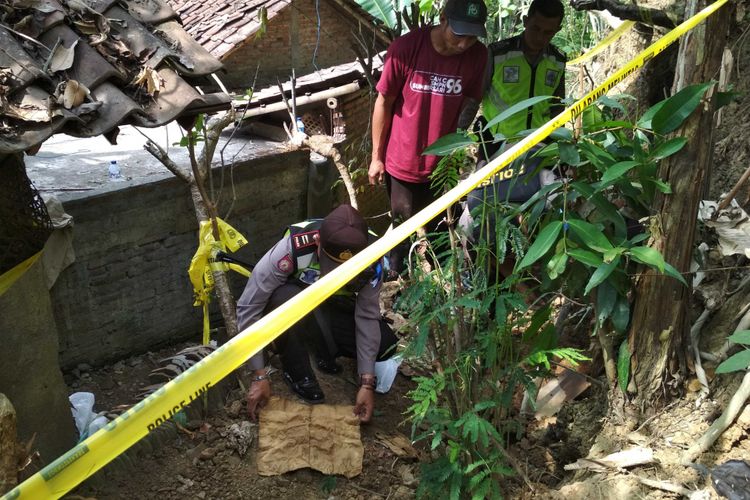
(430, 75)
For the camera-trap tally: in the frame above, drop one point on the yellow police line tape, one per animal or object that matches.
(8, 278)
(603, 43)
(204, 263)
(89, 456)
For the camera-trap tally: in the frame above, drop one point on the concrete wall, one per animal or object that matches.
(29, 373)
(289, 42)
(128, 290)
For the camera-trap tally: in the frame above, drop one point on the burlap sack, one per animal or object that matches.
(295, 435)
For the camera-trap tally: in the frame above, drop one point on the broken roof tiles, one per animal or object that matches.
(83, 67)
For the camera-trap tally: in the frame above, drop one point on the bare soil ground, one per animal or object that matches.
(193, 460)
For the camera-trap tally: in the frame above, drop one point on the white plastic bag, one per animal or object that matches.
(87, 422)
(386, 372)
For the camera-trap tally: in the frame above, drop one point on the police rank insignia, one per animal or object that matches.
(510, 74)
(304, 240)
(285, 264)
(550, 77)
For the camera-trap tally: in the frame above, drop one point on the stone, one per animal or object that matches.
(234, 408)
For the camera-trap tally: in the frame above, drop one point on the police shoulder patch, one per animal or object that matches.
(285, 264)
(305, 240)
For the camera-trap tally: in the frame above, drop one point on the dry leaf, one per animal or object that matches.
(24, 24)
(149, 78)
(74, 95)
(63, 57)
(86, 26)
(28, 112)
(399, 444)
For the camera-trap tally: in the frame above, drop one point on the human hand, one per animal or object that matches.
(376, 172)
(257, 397)
(365, 404)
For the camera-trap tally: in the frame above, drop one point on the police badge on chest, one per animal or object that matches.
(309, 276)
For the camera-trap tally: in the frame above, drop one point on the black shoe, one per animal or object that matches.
(326, 366)
(307, 388)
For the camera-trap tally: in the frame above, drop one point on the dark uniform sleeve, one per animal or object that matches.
(367, 327)
(272, 271)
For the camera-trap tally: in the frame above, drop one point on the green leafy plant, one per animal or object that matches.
(739, 361)
(573, 238)
(393, 13)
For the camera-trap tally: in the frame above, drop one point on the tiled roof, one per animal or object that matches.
(222, 25)
(131, 61)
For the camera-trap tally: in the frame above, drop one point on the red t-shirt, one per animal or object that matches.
(430, 90)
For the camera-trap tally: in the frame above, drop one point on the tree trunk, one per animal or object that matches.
(205, 210)
(8, 455)
(660, 334)
(221, 283)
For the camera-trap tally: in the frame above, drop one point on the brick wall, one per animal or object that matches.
(128, 290)
(373, 201)
(289, 42)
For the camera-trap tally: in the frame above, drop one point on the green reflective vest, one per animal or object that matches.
(514, 79)
(305, 237)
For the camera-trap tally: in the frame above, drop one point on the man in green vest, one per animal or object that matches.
(525, 66)
(519, 68)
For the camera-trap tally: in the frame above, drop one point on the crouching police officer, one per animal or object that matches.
(349, 323)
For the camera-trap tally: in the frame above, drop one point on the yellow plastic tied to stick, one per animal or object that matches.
(204, 263)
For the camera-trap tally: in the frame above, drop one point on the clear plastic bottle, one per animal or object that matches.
(114, 171)
(300, 125)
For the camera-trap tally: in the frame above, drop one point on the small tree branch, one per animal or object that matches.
(729, 197)
(213, 133)
(161, 155)
(631, 12)
(323, 145)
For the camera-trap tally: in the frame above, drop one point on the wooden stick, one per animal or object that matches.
(695, 332)
(720, 424)
(730, 196)
(664, 485)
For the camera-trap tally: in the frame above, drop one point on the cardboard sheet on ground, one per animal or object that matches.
(323, 437)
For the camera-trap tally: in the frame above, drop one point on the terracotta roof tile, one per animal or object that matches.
(141, 33)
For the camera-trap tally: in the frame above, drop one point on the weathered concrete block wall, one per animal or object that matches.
(128, 290)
